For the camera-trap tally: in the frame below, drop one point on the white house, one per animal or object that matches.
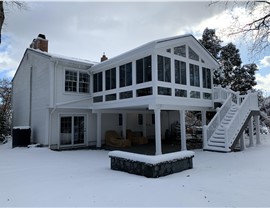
(69, 102)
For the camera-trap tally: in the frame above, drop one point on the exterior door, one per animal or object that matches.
(72, 130)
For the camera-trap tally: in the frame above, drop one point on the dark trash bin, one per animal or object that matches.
(21, 136)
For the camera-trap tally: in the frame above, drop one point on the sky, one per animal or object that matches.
(87, 29)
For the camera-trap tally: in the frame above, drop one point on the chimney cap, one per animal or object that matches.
(104, 57)
(42, 36)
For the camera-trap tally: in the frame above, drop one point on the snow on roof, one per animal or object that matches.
(56, 56)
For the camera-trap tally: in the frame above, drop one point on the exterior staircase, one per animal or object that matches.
(222, 133)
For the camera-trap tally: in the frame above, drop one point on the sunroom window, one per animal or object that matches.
(180, 72)
(206, 78)
(125, 74)
(110, 79)
(164, 69)
(194, 75)
(144, 70)
(192, 55)
(98, 82)
(180, 50)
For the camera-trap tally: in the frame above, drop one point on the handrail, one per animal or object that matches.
(216, 120)
(246, 103)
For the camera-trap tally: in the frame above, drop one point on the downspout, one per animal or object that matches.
(53, 104)
(30, 96)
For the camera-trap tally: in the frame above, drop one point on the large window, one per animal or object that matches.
(206, 78)
(164, 69)
(77, 81)
(192, 55)
(180, 50)
(144, 70)
(98, 82)
(194, 75)
(180, 72)
(110, 79)
(125, 74)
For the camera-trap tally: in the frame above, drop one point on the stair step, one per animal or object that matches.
(215, 144)
(217, 149)
(217, 140)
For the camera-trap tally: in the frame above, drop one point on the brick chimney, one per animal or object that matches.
(103, 58)
(40, 43)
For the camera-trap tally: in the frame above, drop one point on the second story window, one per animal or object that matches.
(77, 82)
(194, 75)
(110, 79)
(206, 78)
(84, 82)
(180, 72)
(98, 82)
(71, 81)
(164, 69)
(144, 70)
(125, 74)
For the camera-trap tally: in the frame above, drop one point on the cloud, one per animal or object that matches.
(265, 62)
(263, 83)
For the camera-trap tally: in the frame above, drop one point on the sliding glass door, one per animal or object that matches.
(72, 130)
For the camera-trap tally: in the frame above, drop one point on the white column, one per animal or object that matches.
(250, 126)
(124, 126)
(257, 124)
(242, 142)
(158, 131)
(203, 117)
(144, 124)
(183, 129)
(98, 129)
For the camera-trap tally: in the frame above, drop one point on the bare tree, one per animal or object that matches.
(3, 7)
(257, 26)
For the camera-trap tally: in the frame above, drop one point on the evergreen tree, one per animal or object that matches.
(230, 62)
(213, 44)
(231, 72)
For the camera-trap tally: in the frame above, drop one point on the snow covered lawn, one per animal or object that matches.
(41, 177)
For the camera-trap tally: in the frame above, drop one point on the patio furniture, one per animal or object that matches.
(135, 138)
(114, 140)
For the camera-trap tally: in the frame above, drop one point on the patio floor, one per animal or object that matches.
(168, 146)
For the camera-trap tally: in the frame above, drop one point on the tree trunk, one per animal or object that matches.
(2, 18)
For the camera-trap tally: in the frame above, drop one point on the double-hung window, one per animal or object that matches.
(110, 79)
(125, 74)
(77, 81)
(194, 75)
(164, 69)
(144, 70)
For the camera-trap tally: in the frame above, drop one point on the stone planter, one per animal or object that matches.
(151, 166)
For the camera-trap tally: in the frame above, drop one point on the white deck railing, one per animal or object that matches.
(245, 104)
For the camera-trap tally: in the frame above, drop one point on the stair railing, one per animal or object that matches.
(209, 129)
(249, 102)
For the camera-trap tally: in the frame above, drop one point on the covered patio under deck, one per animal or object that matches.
(158, 143)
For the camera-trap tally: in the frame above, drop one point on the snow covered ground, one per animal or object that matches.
(41, 177)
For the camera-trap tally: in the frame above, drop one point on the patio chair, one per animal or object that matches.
(134, 138)
(114, 140)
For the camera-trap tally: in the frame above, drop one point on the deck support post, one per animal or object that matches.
(183, 129)
(98, 129)
(250, 128)
(144, 124)
(203, 117)
(242, 142)
(124, 126)
(257, 124)
(158, 131)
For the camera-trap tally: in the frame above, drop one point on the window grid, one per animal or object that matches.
(180, 72)
(84, 82)
(164, 69)
(71, 81)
